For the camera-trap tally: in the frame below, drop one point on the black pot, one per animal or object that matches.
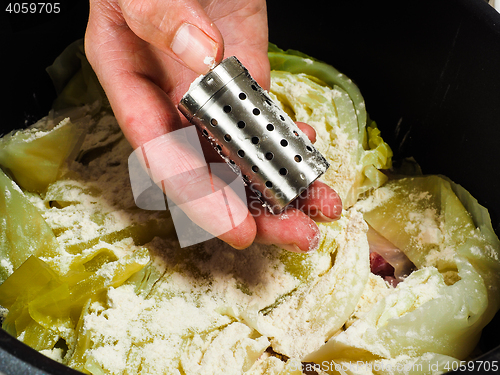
(429, 71)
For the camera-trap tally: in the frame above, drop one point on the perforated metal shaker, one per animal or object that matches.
(255, 136)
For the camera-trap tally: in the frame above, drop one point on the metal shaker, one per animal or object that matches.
(255, 136)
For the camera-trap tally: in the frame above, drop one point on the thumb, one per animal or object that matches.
(180, 28)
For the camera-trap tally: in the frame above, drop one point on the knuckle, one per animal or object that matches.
(137, 9)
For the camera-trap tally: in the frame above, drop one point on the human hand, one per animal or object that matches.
(146, 53)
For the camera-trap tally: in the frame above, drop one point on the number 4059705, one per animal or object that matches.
(24, 8)
(472, 366)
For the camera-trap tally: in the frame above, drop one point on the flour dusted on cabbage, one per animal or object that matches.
(195, 316)
(332, 141)
(438, 312)
(202, 295)
(318, 310)
(188, 309)
(353, 148)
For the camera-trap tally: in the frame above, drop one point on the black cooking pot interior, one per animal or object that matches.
(429, 71)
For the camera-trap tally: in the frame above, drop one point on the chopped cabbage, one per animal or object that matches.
(34, 157)
(42, 302)
(23, 230)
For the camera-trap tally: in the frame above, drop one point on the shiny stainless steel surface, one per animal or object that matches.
(255, 136)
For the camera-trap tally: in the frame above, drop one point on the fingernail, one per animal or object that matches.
(237, 247)
(294, 248)
(320, 217)
(195, 48)
(329, 213)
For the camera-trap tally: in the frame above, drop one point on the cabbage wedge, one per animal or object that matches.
(313, 92)
(440, 309)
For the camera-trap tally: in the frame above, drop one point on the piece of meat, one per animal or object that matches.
(379, 266)
(386, 260)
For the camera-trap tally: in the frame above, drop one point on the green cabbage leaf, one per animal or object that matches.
(34, 157)
(23, 230)
(75, 81)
